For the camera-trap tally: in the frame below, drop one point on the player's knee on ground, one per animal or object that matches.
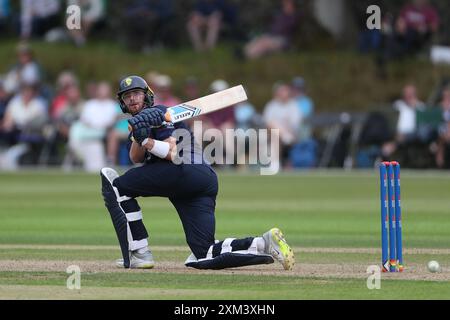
(230, 253)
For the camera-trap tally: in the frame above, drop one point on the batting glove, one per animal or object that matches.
(140, 130)
(153, 117)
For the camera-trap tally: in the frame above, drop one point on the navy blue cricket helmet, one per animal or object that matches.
(132, 83)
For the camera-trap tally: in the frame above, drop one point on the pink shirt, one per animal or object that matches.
(416, 18)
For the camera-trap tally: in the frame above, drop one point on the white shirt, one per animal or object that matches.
(99, 114)
(284, 114)
(29, 73)
(406, 123)
(23, 114)
(96, 117)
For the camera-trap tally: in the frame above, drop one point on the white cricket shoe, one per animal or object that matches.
(139, 260)
(278, 248)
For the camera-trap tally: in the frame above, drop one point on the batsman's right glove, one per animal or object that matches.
(153, 117)
(140, 129)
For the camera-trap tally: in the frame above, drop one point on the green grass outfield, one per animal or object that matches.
(51, 220)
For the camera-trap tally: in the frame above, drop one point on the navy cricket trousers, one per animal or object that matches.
(191, 188)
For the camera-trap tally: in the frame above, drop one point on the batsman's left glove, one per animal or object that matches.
(140, 129)
(153, 117)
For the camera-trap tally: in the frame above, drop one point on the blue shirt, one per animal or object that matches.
(305, 105)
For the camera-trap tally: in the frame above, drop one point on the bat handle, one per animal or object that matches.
(168, 117)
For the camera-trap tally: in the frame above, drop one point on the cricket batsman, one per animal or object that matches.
(191, 188)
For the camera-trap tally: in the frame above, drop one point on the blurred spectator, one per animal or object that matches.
(245, 118)
(162, 86)
(368, 40)
(407, 108)
(147, 23)
(443, 143)
(280, 34)
(406, 132)
(66, 80)
(26, 70)
(117, 141)
(91, 90)
(70, 109)
(22, 124)
(304, 152)
(151, 77)
(191, 89)
(417, 23)
(92, 13)
(38, 17)
(222, 119)
(4, 98)
(282, 113)
(5, 12)
(206, 14)
(86, 136)
(305, 106)
(375, 132)
(414, 29)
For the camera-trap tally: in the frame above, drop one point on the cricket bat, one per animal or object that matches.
(206, 104)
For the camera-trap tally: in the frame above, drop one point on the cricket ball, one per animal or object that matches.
(433, 266)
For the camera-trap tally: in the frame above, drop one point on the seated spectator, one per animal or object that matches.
(443, 143)
(191, 89)
(305, 106)
(70, 110)
(282, 113)
(90, 90)
(222, 119)
(414, 28)
(245, 118)
(5, 12)
(207, 14)
(368, 39)
(279, 36)
(4, 98)
(26, 70)
(162, 86)
(146, 23)
(417, 23)
(22, 124)
(407, 108)
(92, 13)
(66, 79)
(117, 141)
(86, 136)
(406, 131)
(375, 132)
(38, 17)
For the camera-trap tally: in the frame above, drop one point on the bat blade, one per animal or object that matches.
(206, 104)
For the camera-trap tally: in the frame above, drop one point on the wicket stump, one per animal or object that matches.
(391, 242)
